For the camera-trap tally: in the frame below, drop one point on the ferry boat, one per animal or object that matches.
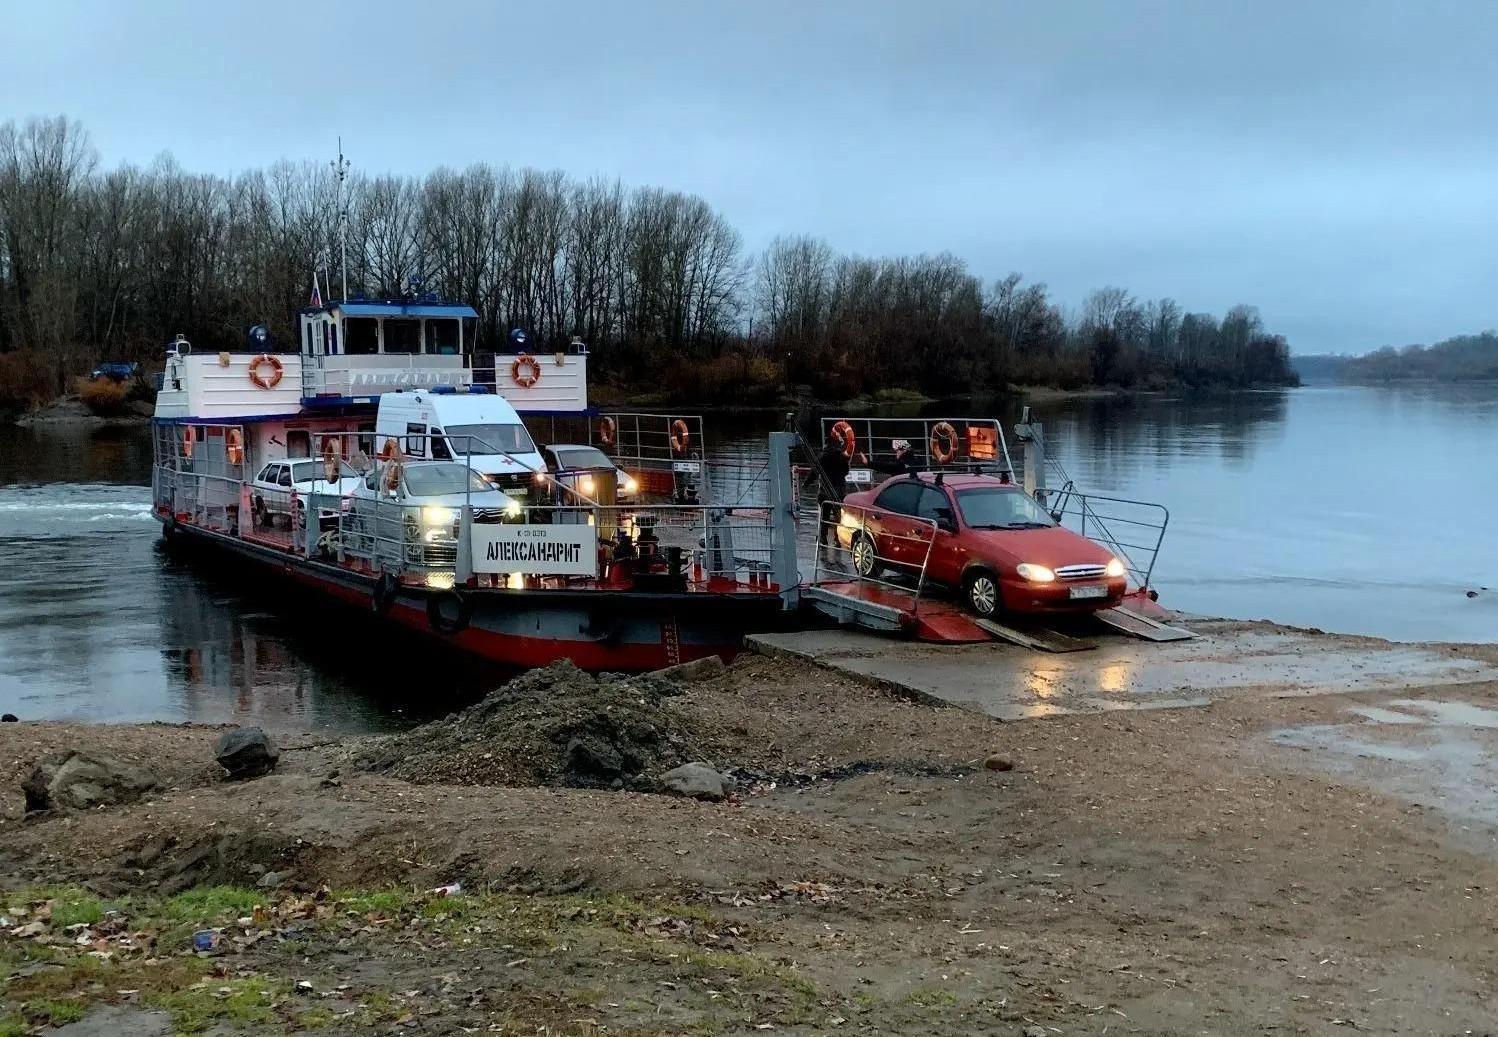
(387, 464)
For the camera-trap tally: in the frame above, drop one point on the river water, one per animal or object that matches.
(1359, 510)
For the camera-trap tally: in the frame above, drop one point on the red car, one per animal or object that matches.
(991, 540)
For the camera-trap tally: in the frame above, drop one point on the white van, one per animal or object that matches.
(481, 428)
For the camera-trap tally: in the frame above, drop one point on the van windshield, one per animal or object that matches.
(490, 439)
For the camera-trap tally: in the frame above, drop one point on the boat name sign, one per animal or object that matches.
(558, 550)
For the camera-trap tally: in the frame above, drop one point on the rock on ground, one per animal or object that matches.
(246, 752)
(696, 670)
(71, 780)
(696, 781)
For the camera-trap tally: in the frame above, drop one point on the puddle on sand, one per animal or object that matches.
(1437, 753)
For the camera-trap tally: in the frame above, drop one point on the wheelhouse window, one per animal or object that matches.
(442, 337)
(402, 335)
(363, 335)
(1002, 509)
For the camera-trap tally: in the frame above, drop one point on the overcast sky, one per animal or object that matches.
(1332, 163)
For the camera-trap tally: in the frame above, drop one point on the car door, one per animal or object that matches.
(891, 522)
(943, 563)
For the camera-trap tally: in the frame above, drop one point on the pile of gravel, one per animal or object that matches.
(553, 726)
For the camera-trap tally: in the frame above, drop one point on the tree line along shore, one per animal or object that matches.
(100, 262)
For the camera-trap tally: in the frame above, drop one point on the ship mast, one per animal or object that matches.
(340, 172)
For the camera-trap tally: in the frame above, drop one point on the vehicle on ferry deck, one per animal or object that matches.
(991, 541)
(419, 504)
(480, 428)
(271, 491)
(588, 471)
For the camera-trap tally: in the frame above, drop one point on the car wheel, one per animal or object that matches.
(981, 592)
(865, 556)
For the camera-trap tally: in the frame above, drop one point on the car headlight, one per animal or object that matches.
(539, 478)
(1114, 569)
(512, 509)
(1035, 573)
(433, 515)
(630, 485)
(587, 485)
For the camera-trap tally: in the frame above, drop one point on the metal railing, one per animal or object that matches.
(1133, 530)
(898, 543)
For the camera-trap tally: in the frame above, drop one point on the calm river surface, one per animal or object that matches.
(1360, 510)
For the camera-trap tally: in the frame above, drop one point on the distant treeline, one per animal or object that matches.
(98, 263)
(1463, 358)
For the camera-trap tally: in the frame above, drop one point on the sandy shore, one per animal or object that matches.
(1274, 865)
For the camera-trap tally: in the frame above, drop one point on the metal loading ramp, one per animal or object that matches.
(891, 610)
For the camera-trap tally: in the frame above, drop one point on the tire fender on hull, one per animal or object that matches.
(439, 619)
(383, 595)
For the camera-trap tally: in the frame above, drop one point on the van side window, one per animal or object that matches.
(415, 446)
(439, 446)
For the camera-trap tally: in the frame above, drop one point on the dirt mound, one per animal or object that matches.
(554, 726)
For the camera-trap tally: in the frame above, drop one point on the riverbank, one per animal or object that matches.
(1299, 863)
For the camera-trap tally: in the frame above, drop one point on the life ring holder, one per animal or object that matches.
(846, 438)
(276, 371)
(234, 446)
(608, 431)
(681, 437)
(439, 622)
(531, 368)
(944, 442)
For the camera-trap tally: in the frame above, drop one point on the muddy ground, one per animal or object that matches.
(1245, 867)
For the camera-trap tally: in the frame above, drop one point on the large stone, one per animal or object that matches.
(246, 752)
(695, 781)
(697, 670)
(73, 781)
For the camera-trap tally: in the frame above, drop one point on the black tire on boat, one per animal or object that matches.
(383, 595)
(448, 621)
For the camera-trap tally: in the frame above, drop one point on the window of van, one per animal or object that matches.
(491, 439)
(416, 444)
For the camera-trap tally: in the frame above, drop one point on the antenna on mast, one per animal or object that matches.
(340, 171)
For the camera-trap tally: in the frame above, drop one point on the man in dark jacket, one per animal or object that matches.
(901, 464)
(832, 486)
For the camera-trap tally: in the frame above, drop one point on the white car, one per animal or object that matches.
(417, 519)
(271, 489)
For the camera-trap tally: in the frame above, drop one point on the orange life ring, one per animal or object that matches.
(332, 452)
(681, 436)
(187, 441)
(392, 475)
(532, 374)
(608, 431)
(234, 446)
(390, 451)
(846, 438)
(266, 381)
(944, 442)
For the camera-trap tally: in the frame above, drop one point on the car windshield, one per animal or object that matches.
(1002, 509)
(490, 439)
(435, 480)
(582, 457)
(306, 471)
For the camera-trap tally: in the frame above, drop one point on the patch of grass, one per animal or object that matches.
(54, 1012)
(210, 904)
(931, 997)
(383, 902)
(243, 1003)
(12, 1026)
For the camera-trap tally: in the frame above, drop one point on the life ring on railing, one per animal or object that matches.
(944, 442)
(532, 371)
(608, 431)
(846, 438)
(234, 446)
(681, 437)
(392, 478)
(187, 441)
(266, 381)
(390, 451)
(443, 624)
